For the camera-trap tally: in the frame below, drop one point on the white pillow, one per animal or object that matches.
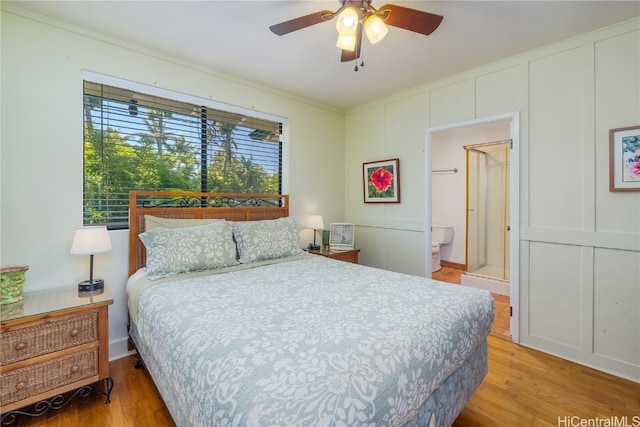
(266, 239)
(180, 250)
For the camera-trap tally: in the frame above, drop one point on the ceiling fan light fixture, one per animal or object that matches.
(346, 42)
(375, 28)
(357, 16)
(347, 21)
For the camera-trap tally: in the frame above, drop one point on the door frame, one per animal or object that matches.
(514, 207)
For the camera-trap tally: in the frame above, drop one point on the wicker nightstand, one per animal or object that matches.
(350, 255)
(53, 342)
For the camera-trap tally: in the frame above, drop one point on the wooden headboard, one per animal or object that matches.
(186, 205)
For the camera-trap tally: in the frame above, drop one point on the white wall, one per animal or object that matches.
(41, 145)
(389, 235)
(579, 243)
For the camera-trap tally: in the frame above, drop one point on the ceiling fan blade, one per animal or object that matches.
(350, 55)
(301, 22)
(411, 19)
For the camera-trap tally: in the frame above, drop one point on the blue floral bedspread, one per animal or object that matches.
(311, 341)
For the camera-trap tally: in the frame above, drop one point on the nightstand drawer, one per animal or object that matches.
(39, 378)
(46, 337)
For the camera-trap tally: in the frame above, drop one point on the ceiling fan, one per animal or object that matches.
(355, 15)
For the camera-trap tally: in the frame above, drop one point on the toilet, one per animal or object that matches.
(441, 234)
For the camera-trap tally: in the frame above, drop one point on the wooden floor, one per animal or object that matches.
(501, 318)
(524, 387)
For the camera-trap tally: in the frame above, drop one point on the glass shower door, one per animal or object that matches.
(488, 210)
(476, 211)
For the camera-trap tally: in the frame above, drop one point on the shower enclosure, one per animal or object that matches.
(487, 243)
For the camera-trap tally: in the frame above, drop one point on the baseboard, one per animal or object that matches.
(118, 349)
(454, 265)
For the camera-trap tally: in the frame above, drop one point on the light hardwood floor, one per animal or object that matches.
(524, 387)
(501, 318)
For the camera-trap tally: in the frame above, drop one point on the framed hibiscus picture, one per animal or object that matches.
(381, 181)
(624, 159)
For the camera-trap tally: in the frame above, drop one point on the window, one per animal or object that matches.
(134, 140)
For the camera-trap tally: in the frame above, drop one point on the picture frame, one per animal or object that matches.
(624, 159)
(381, 181)
(342, 235)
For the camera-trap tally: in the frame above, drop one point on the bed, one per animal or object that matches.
(238, 326)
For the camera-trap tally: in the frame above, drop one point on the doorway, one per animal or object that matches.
(445, 194)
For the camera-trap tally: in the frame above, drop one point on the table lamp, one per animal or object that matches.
(90, 241)
(315, 222)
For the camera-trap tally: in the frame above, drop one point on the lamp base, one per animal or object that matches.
(313, 247)
(87, 285)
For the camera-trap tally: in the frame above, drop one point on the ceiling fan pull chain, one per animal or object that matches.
(361, 63)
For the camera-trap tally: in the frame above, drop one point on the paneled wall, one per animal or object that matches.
(579, 243)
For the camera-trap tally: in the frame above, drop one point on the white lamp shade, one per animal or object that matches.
(90, 240)
(346, 42)
(347, 21)
(315, 222)
(375, 29)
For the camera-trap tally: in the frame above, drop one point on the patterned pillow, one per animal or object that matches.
(266, 239)
(180, 250)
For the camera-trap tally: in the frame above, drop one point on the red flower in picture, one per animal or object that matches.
(381, 179)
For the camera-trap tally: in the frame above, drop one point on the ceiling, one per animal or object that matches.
(233, 37)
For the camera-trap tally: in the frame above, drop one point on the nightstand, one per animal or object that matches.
(350, 255)
(53, 342)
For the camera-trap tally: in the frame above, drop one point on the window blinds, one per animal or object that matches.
(134, 140)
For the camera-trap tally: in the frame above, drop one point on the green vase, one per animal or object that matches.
(325, 238)
(11, 284)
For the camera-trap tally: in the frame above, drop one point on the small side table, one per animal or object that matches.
(53, 342)
(350, 255)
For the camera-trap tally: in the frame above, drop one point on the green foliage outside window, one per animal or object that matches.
(160, 149)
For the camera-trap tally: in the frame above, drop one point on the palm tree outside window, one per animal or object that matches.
(143, 142)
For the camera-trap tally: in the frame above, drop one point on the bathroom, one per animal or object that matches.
(470, 197)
